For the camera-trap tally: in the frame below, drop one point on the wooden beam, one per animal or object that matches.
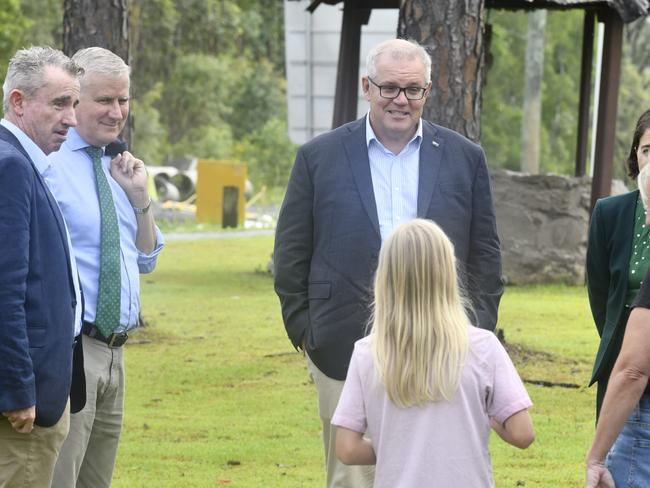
(585, 92)
(347, 72)
(610, 80)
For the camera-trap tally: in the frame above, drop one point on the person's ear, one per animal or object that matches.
(428, 89)
(365, 86)
(17, 102)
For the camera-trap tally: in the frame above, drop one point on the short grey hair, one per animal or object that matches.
(26, 71)
(398, 49)
(100, 61)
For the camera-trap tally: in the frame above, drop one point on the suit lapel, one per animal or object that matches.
(357, 151)
(9, 138)
(625, 237)
(430, 159)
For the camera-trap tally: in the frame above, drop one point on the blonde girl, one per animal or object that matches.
(424, 387)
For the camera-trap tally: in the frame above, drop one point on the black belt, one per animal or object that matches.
(116, 339)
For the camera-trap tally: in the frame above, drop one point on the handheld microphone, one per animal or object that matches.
(118, 146)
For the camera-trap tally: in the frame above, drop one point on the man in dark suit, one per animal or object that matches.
(348, 189)
(38, 288)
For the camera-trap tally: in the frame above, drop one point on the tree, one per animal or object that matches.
(88, 23)
(453, 34)
(530, 128)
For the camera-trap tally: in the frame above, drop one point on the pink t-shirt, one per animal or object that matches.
(440, 444)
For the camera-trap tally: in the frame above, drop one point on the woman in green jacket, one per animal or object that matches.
(618, 256)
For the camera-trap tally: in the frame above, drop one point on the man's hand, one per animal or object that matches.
(131, 174)
(22, 420)
(598, 476)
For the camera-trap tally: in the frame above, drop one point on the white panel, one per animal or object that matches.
(295, 46)
(313, 71)
(297, 108)
(324, 81)
(323, 112)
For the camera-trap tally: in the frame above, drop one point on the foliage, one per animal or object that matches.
(209, 74)
(153, 52)
(257, 96)
(206, 142)
(12, 35)
(217, 396)
(268, 152)
(41, 29)
(561, 91)
(196, 95)
(150, 137)
(503, 94)
(633, 100)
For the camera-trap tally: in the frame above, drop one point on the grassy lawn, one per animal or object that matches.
(216, 396)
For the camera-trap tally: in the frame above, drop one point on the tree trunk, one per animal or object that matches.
(453, 34)
(532, 113)
(88, 23)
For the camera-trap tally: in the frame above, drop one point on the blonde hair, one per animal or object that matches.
(419, 330)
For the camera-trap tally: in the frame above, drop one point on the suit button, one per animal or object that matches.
(74, 303)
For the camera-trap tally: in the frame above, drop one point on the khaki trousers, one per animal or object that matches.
(88, 455)
(27, 460)
(339, 475)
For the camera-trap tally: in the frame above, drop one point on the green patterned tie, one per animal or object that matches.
(107, 316)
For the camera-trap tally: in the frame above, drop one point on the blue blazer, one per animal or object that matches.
(37, 300)
(327, 238)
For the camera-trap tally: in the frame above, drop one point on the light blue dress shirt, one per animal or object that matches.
(42, 164)
(395, 179)
(72, 182)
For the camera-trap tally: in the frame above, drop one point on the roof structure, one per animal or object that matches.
(629, 10)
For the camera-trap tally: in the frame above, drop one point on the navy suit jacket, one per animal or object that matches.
(37, 300)
(328, 240)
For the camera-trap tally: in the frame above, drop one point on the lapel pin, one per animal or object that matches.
(435, 144)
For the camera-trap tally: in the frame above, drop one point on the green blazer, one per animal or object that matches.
(611, 234)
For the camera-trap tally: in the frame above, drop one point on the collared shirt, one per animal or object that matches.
(72, 181)
(395, 179)
(42, 164)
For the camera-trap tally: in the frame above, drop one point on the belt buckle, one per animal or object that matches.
(117, 340)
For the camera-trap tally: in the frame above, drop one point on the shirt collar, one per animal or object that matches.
(371, 136)
(35, 153)
(75, 141)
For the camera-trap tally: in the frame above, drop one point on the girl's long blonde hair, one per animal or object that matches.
(419, 326)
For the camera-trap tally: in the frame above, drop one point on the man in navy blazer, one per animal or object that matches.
(38, 292)
(348, 189)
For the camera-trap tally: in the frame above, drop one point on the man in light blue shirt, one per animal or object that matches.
(349, 188)
(394, 179)
(87, 184)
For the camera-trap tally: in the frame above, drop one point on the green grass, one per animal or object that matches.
(216, 396)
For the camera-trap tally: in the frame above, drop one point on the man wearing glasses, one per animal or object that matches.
(348, 190)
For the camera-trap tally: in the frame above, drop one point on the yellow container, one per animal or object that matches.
(220, 192)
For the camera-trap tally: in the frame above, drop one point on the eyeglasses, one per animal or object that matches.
(391, 91)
